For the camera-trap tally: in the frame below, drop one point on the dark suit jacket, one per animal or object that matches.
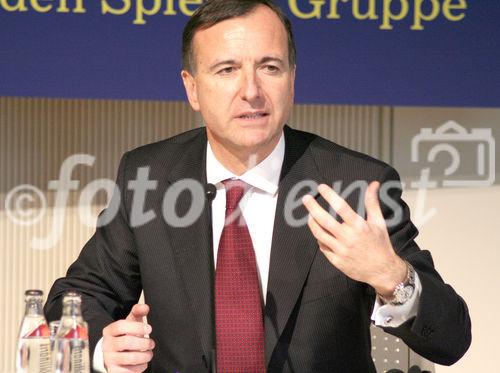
(316, 318)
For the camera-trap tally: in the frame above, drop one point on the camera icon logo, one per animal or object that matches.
(472, 153)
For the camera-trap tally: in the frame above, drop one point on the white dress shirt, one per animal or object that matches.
(258, 207)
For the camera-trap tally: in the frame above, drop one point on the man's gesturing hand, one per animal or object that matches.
(126, 345)
(359, 248)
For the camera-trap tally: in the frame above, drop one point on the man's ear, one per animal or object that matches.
(191, 91)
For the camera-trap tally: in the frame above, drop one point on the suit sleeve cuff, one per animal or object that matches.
(390, 316)
(98, 358)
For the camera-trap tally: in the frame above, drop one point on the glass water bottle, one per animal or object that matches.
(71, 345)
(33, 349)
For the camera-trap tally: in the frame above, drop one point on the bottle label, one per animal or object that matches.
(78, 362)
(71, 356)
(78, 332)
(34, 351)
(41, 330)
(34, 355)
(45, 357)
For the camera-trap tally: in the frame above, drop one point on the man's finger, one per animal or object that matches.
(340, 206)
(332, 257)
(129, 357)
(323, 237)
(322, 217)
(128, 343)
(373, 210)
(125, 327)
(137, 312)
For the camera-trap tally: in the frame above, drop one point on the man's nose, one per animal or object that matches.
(250, 87)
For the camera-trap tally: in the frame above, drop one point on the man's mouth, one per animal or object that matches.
(253, 115)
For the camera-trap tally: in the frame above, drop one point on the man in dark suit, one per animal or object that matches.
(318, 276)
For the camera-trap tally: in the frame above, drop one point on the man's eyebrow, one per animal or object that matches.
(271, 59)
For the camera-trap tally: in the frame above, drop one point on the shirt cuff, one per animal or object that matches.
(98, 358)
(391, 316)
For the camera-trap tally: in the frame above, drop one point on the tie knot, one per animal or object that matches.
(235, 189)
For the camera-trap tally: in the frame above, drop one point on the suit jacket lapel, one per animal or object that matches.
(293, 248)
(192, 245)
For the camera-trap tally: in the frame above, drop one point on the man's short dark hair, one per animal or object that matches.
(212, 12)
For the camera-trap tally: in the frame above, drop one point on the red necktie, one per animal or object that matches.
(238, 307)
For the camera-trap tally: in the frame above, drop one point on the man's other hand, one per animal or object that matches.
(360, 248)
(126, 344)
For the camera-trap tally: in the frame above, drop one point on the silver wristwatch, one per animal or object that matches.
(404, 290)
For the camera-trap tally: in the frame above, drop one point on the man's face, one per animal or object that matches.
(243, 84)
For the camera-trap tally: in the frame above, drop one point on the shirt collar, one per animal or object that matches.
(264, 176)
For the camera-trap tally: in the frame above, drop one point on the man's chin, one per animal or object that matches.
(245, 141)
(257, 143)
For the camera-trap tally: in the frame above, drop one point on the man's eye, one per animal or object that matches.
(272, 68)
(226, 70)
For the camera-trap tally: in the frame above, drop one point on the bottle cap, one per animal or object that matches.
(72, 296)
(33, 293)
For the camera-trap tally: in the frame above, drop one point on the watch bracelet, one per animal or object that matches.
(408, 281)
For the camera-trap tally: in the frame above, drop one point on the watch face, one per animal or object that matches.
(402, 295)
(409, 291)
(404, 291)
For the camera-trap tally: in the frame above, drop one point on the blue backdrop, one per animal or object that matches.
(74, 50)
